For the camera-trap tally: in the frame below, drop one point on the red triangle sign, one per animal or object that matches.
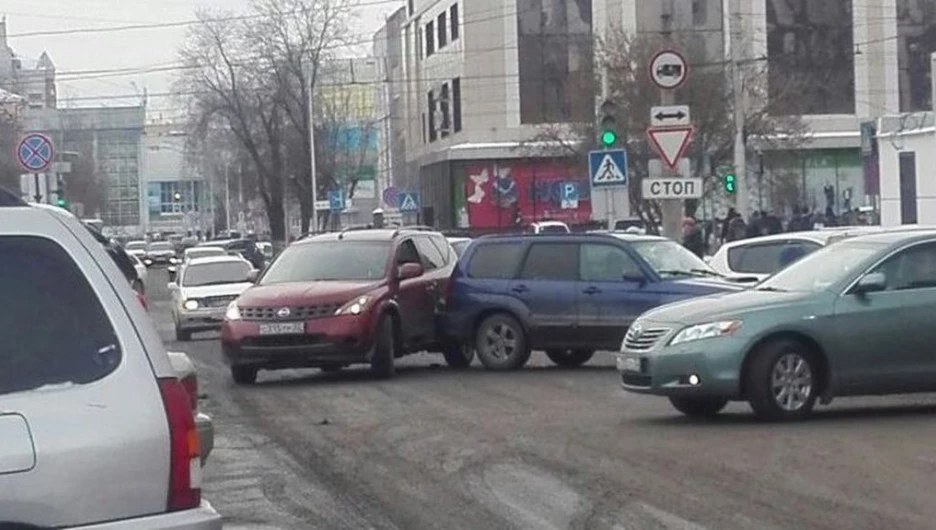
(670, 142)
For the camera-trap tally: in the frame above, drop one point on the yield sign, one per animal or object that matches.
(670, 142)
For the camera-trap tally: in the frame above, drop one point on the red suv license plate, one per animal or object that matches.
(282, 328)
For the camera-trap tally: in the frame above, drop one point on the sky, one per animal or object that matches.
(79, 53)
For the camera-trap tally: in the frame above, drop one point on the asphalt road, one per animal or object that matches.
(543, 448)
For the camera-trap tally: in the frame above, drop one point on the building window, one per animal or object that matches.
(443, 30)
(811, 57)
(916, 34)
(456, 105)
(433, 132)
(430, 38)
(453, 20)
(445, 124)
(555, 61)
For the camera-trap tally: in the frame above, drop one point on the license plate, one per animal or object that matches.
(282, 328)
(628, 364)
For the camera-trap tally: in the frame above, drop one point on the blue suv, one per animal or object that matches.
(569, 294)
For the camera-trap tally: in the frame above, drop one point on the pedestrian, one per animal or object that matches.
(726, 224)
(754, 227)
(693, 238)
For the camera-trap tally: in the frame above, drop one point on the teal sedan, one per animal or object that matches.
(854, 318)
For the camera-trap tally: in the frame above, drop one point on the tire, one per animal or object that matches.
(244, 375)
(782, 381)
(384, 349)
(699, 407)
(502, 343)
(182, 335)
(570, 358)
(458, 355)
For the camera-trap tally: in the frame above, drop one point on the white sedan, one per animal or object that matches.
(204, 289)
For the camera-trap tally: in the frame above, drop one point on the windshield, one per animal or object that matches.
(161, 246)
(193, 253)
(822, 268)
(216, 274)
(332, 260)
(669, 258)
(136, 245)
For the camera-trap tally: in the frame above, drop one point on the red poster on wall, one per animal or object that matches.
(499, 194)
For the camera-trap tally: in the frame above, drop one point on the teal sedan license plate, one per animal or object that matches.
(626, 363)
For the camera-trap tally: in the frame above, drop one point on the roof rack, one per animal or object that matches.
(356, 228)
(8, 198)
(413, 228)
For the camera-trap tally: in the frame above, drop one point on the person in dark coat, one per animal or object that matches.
(693, 237)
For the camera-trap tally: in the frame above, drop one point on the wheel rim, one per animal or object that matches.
(792, 382)
(500, 341)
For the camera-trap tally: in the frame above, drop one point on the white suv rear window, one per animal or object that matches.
(53, 329)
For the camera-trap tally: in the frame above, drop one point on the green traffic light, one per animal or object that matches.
(608, 138)
(730, 184)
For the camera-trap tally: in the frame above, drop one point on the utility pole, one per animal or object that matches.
(227, 195)
(735, 32)
(672, 210)
(312, 168)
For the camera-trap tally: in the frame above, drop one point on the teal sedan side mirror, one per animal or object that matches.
(871, 283)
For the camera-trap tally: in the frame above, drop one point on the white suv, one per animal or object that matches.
(97, 430)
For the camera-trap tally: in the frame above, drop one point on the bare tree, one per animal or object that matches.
(708, 92)
(253, 76)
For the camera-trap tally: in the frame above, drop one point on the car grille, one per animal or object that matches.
(218, 301)
(640, 339)
(295, 313)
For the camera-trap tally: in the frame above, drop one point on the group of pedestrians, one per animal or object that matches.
(698, 236)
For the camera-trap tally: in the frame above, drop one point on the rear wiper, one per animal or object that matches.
(216, 283)
(690, 272)
(771, 289)
(675, 272)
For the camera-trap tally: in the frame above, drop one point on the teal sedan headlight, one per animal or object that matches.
(708, 330)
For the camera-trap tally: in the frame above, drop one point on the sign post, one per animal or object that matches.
(670, 131)
(35, 154)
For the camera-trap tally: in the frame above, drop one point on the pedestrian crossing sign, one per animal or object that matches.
(409, 202)
(607, 168)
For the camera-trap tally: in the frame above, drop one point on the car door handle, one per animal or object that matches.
(520, 289)
(592, 290)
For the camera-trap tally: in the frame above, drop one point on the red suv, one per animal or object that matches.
(333, 300)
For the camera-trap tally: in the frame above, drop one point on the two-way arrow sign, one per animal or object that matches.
(671, 116)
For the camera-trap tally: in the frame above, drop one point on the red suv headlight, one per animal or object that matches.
(355, 307)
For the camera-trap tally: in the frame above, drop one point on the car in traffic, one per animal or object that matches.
(137, 248)
(98, 429)
(246, 248)
(203, 291)
(192, 253)
(334, 300)
(853, 318)
(759, 257)
(160, 252)
(549, 227)
(459, 244)
(570, 295)
(142, 273)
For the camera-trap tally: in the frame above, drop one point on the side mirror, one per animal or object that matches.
(871, 283)
(253, 276)
(408, 271)
(173, 286)
(634, 277)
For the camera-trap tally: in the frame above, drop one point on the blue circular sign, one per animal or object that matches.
(391, 197)
(35, 152)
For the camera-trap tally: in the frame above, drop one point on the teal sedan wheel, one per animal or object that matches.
(782, 382)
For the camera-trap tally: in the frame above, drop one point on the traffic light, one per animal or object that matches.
(730, 182)
(608, 136)
(61, 202)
